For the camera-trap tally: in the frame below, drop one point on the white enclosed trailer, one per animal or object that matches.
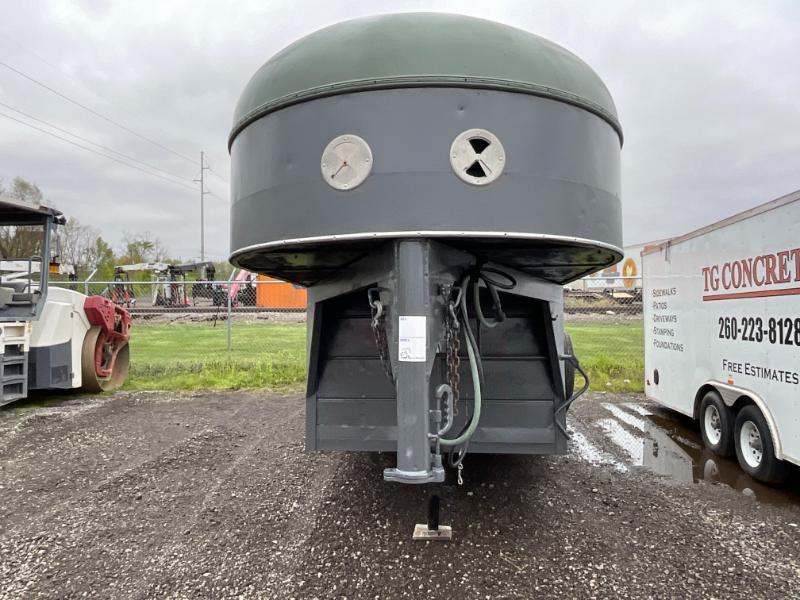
(722, 333)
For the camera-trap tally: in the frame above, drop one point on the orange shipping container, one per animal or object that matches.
(277, 294)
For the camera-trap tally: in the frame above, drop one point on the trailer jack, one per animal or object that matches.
(432, 530)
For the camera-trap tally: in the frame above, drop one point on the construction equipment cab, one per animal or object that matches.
(51, 337)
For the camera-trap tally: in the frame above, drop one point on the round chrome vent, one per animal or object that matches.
(477, 156)
(346, 162)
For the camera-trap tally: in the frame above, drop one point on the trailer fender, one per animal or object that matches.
(732, 393)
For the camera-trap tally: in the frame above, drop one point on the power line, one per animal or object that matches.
(56, 68)
(115, 159)
(88, 141)
(94, 112)
(199, 176)
(218, 197)
(218, 175)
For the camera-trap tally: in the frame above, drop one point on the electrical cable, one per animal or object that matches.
(122, 162)
(58, 70)
(95, 113)
(470, 339)
(210, 193)
(218, 175)
(88, 141)
(455, 458)
(491, 285)
(468, 334)
(476, 415)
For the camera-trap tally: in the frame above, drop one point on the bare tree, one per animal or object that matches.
(76, 243)
(140, 247)
(101, 257)
(26, 191)
(21, 241)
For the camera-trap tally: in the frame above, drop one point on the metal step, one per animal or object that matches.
(13, 374)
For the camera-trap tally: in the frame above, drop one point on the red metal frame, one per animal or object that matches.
(115, 331)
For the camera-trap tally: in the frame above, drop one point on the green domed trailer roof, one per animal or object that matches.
(421, 50)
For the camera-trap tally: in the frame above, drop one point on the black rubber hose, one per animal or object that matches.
(509, 285)
(492, 284)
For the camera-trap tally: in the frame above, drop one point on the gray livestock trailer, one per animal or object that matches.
(434, 180)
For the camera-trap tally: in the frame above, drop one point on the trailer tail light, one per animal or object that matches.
(655, 376)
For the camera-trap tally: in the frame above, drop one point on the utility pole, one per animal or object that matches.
(203, 192)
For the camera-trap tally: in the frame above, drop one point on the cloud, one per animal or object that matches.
(707, 94)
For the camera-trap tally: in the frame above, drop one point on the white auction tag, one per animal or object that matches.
(413, 337)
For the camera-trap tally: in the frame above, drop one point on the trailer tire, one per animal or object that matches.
(717, 424)
(755, 449)
(569, 368)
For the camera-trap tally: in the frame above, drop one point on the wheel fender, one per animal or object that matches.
(114, 328)
(731, 393)
(111, 318)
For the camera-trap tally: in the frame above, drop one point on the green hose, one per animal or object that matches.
(476, 301)
(476, 414)
(475, 364)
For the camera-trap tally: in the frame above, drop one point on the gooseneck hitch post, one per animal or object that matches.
(415, 331)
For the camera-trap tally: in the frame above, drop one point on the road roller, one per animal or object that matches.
(51, 337)
(434, 180)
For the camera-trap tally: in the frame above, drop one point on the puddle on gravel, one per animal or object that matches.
(669, 444)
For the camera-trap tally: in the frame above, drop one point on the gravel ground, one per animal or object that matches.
(154, 495)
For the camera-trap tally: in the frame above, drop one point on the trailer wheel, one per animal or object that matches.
(569, 368)
(92, 382)
(716, 424)
(754, 447)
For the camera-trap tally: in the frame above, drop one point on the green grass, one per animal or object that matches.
(189, 356)
(612, 354)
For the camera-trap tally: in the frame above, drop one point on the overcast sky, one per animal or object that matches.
(708, 94)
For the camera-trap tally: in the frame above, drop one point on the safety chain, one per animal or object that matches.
(379, 331)
(453, 345)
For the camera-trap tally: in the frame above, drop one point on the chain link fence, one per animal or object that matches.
(197, 321)
(604, 317)
(604, 299)
(178, 297)
(619, 299)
